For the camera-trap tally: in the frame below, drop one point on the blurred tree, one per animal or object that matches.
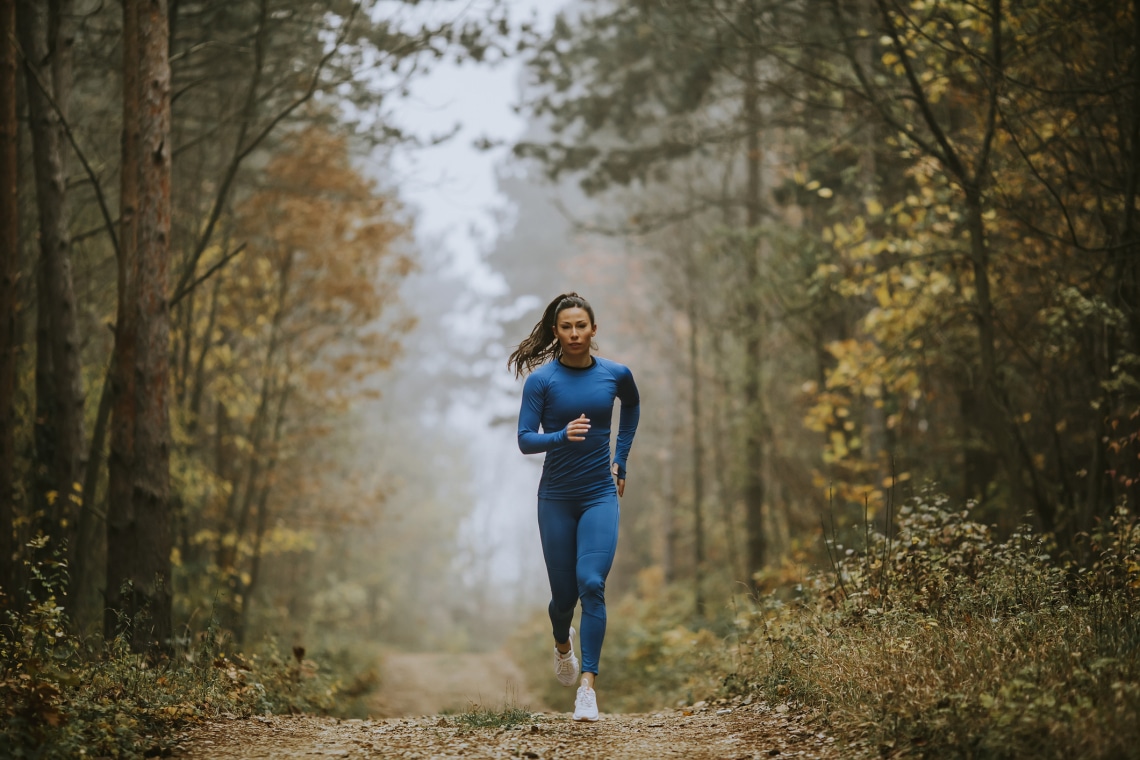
(327, 243)
(46, 36)
(10, 341)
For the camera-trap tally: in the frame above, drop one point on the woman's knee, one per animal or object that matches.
(592, 586)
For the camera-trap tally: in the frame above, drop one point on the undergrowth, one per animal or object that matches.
(943, 641)
(62, 697)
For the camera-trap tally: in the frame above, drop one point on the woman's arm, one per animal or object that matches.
(627, 422)
(530, 418)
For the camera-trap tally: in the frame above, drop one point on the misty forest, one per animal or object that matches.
(875, 265)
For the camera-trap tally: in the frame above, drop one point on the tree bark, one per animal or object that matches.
(9, 304)
(120, 506)
(138, 525)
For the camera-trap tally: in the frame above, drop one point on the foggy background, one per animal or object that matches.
(491, 241)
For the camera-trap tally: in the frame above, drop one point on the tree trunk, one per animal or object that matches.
(9, 305)
(199, 379)
(1125, 262)
(698, 459)
(92, 518)
(139, 534)
(996, 413)
(724, 493)
(262, 519)
(45, 35)
(229, 557)
(757, 544)
(120, 506)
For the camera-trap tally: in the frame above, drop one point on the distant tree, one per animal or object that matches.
(46, 35)
(9, 302)
(299, 322)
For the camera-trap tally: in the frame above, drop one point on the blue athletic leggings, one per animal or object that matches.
(579, 538)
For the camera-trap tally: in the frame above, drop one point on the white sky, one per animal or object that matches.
(453, 185)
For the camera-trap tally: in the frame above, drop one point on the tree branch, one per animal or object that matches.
(867, 93)
(996, 66)
(241, 152)
(949, 155)
(184, 291)
(108, 223)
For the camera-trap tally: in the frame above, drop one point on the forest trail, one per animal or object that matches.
(428, 683)
(419, 707)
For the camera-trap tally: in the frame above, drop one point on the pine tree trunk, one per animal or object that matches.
(120, 461)
(9, 273)
(138, 525)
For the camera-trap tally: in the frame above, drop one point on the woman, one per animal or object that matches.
(570, 394)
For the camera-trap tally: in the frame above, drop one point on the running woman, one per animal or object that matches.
(570, 393)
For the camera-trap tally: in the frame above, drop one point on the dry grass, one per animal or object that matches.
(948, 643)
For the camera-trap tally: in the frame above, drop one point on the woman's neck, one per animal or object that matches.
(583, 362)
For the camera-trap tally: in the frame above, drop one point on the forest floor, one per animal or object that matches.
(420, 711)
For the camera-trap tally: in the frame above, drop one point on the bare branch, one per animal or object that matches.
(183, 292)
(242, 151)
(104, 210)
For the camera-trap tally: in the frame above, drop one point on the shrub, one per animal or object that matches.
(61, 697)
(942, 641)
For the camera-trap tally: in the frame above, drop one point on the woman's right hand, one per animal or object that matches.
(577, 429)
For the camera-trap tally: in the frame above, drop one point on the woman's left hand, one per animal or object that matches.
(620, 481)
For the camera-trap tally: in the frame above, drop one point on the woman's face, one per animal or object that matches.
(575, 331)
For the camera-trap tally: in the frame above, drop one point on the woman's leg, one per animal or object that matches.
(558, 528)
(596, 544)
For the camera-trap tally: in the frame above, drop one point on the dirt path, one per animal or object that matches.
(432, 683)
(421, 686)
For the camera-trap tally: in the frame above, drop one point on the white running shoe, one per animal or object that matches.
(566, 665)
(586, 704)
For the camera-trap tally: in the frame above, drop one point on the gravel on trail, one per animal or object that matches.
(746, 731)
(418, 713)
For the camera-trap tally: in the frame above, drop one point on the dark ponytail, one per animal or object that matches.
(542, 345)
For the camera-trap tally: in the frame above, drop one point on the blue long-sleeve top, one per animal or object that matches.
(555, 394)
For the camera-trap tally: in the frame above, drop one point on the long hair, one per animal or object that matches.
(542, 344)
